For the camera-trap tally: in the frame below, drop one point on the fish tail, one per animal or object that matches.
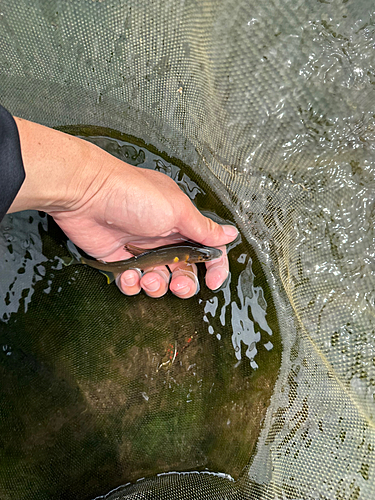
(75, 257)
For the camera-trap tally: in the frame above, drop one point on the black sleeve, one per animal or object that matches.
(12, 173)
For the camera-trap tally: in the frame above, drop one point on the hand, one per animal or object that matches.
(148, 209)
(102, 203)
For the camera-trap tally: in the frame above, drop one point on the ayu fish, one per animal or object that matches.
(188, 252)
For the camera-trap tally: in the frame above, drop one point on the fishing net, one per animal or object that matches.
(263, 112)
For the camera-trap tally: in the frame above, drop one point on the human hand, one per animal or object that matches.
(147, 209)
(102, 203)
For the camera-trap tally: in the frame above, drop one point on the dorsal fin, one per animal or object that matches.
(135, 250)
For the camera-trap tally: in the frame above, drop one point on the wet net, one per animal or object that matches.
(264, 113)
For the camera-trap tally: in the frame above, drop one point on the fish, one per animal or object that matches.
(188, 252)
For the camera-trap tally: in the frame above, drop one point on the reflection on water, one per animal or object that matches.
(102, 389)
(243, 326)
(248, 309)
(22, 257)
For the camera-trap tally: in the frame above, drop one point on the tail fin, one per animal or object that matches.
(76, 258)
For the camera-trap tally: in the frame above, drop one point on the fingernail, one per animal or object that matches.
(217, 279)
(230, 231)
(182, 289)
(130, 280)
(152, 286)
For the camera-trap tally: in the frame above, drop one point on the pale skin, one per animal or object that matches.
(102, 203)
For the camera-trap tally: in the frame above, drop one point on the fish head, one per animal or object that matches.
(203, 254)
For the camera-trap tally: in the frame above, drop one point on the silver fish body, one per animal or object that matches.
(190, 253)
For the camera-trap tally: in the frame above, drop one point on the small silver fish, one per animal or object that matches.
(189, 252)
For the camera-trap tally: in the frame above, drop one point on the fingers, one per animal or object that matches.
(129, 282)
(155, 281)
(184, 283)
(217, 271)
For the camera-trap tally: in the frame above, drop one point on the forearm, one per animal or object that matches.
(59, 169)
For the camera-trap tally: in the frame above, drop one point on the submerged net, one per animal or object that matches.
(271, 105)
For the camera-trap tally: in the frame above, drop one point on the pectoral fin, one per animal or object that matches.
(69, 260)
(110, 276)
(74, 256)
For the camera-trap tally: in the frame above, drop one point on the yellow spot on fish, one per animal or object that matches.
(176, 259)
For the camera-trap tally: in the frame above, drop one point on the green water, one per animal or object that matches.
(90, 396)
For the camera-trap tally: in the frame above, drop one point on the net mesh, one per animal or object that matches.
(272, 106)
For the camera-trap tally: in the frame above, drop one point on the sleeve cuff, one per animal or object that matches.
(12, 172)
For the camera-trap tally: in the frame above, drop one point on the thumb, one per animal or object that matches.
(195, 226)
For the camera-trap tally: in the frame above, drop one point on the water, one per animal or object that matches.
(127, 387)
